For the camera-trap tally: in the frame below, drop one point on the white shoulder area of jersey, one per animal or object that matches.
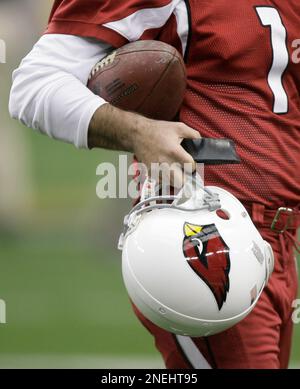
(133, 26)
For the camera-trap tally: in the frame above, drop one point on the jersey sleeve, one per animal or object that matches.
(114, 22)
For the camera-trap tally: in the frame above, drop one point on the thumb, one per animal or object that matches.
(188, 132)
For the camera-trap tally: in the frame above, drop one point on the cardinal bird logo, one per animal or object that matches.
(208, 255)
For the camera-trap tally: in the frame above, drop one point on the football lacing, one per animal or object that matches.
(104, 62)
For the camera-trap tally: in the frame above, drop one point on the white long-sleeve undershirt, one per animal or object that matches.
(49, 90)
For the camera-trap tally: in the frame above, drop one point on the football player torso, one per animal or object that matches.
(243, 65)
(244, 85)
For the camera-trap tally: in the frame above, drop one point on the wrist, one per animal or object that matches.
(98, 121)
(139, 127)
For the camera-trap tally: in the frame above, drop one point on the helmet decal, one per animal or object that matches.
(208, 255)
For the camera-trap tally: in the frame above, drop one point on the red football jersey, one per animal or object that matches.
(243, 77)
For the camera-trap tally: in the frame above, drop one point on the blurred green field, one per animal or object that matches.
(60, 273)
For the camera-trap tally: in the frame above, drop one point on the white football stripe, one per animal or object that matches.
(192, 353)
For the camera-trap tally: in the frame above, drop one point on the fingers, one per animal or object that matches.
(185, 159)
(162, 145)
(177, 178)
(186, 132)
(170, 174)
(184, 166)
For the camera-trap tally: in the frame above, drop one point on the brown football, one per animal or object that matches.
(147, 77)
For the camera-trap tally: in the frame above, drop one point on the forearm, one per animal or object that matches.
(152, 141)
(115, 129)
(49, 94)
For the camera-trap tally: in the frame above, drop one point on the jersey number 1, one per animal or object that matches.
(270, 17)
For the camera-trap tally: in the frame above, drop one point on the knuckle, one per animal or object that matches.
(181, 127)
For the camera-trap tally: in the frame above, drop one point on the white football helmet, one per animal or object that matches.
(193, 264)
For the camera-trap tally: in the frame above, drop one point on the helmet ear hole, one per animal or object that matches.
(223, 214)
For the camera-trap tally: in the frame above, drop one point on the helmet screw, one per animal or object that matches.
(162, 311)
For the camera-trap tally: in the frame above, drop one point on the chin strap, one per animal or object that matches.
(193, 197)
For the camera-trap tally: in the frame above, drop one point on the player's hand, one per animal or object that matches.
(151, 141)
(160, 142)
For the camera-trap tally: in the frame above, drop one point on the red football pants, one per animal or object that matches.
(262, 340)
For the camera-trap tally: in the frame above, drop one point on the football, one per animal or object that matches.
(147, 77)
